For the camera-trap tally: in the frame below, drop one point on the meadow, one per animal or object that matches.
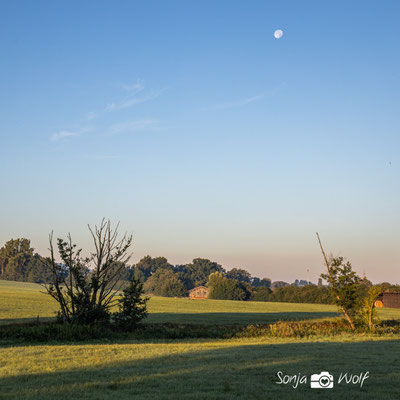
(20, 301)
(242, 368)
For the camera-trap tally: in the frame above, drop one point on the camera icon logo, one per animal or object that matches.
(324, 380)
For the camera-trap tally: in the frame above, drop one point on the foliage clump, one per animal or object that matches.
(165, 283)
(261, 294)
(19, 262)
(223, 288)
(354, 296)
(132, 305)
(302, 294)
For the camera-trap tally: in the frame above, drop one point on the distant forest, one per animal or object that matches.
(19, 262)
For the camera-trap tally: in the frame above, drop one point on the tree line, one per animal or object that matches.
(19, 262)
(88, 288)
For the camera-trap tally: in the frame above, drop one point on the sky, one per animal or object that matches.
(202, 133)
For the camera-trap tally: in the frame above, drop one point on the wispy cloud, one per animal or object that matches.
(243, 102)
(133, 126)
(132, 100)
(234, 104)
(135, 87)
(64, 135)
(131, 94)
(68, 134)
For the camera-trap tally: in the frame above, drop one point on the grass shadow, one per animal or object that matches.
(219, 318)
(231, 371)
(238, 318)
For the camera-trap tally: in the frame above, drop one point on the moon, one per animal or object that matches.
(278, 34)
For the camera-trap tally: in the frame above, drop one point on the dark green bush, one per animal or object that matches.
(165, 283)
(261, 294)
(222, 288)
(132, 305)
(303, 294)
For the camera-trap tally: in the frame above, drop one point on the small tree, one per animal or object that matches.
(85, 287)
(173, 287)
(355, 296)
(132, 305)
(344, 285)
(370, 315)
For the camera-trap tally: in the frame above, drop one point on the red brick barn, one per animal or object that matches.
(200, 292)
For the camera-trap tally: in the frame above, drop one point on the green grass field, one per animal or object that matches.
(25, 301)
(192, 369)
(218, 369)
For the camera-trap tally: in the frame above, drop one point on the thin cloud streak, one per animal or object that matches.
(133, 126)
(233, 104)
(135, 88)
(242, 102)
(66, 134)
(132, 98)
(132, 101)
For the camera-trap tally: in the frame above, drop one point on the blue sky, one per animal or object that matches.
(202, 133)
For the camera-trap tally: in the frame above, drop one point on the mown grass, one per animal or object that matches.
(201, 369)
(241, 368)
(25, 301)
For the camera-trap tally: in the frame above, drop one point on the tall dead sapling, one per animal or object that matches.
(85, 288)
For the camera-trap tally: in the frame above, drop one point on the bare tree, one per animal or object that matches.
(85, 288)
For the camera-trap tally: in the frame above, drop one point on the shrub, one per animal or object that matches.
(369, 315)
(303, 294)
(228, 289)
(285, 329)
(132, 305)
(261, 294)
(165, 283)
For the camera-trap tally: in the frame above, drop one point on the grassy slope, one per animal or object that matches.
(19, 301)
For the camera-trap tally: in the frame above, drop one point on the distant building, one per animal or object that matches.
(200, 292)
(388, 300)
(301, 283)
